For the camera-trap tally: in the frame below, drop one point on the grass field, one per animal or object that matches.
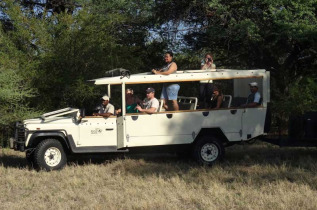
(258, 176)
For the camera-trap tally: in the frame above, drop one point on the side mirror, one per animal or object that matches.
(82, 113)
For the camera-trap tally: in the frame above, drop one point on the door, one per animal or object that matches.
(253, 120)
(97, 131)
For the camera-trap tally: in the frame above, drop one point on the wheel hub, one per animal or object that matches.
(209, 152)
(52, 156)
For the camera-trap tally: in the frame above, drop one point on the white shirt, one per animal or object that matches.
(211, 68)
(151, 103)
(108, 109)
(257, 97)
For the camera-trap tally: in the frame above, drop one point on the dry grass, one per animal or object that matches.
(259, 176)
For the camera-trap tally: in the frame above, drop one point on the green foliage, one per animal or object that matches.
(15, 89)
(302, 98)
(13, 95)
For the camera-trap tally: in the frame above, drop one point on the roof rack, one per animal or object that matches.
(181, 76)
(118, 72)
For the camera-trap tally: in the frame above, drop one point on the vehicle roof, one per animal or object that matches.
(181, 76)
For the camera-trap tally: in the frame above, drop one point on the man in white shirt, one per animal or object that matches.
(255, 97)
(151, 104)
(105, 109)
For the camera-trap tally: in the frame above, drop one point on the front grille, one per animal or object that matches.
(19, 136)
(20, 132)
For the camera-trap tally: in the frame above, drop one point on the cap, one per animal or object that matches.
(150, 89)
(105, 98)
(253, 84)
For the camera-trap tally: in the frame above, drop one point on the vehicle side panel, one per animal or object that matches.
(180, 127)
(253, 120)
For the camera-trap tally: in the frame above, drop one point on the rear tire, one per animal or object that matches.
(208, 150)
(49, 155)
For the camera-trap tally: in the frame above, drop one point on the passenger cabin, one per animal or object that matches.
(233, 122)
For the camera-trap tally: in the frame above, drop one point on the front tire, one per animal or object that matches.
(208, 150)
(49, 155)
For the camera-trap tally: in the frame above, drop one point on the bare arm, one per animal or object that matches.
(103, 114)
(148, 111)
(170, 70)
(251, 105)
(207, 66)
(219, 102)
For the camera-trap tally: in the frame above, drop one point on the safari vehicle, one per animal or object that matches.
(49, 139)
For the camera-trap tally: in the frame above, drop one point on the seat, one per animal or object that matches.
(160, 105)
(238, 101)
(187, 103)
(184, 103)
(226, 103)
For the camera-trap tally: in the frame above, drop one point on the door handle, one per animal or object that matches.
(109, 129)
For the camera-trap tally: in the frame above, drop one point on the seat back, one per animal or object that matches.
(160, 109)
(238, 101)
(184, 103)
(226, 103)
(187, 103)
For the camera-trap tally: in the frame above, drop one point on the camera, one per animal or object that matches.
(209, 59)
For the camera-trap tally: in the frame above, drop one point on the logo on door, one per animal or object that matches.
(96, 131)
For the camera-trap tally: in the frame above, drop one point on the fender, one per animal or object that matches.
(214, 131)
(37, 135)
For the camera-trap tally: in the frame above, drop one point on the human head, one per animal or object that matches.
(105, 100)
(168, 57)
(216, 91)
(209, 56)
(150, 93)
(129, 90)
(253, 87)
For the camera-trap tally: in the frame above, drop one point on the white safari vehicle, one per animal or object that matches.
(49, 139)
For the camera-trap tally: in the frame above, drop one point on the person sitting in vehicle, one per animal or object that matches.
(105, 109)
(151, 104)
(169, 91)
(131, 102)
(254, 98)
(216, 99)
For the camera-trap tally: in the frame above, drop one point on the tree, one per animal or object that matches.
(279, 36)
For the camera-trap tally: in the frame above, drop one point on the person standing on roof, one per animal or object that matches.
(254, 98)
(169, 91)
(206, 86)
